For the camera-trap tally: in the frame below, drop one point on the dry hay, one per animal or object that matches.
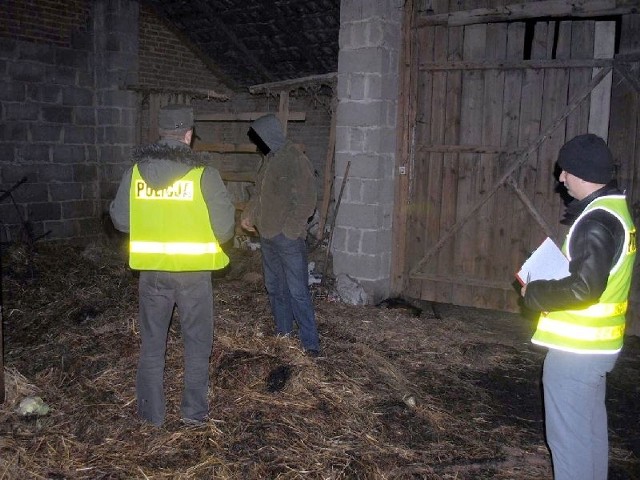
(451, 394)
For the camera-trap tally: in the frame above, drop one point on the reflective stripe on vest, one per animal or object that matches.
(580, 332)
(598, 328)
(174, 248)
(170, 227)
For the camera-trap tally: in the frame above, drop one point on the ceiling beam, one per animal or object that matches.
(541, 9)
(294, 83)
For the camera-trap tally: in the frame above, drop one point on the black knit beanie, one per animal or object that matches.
(587, 157)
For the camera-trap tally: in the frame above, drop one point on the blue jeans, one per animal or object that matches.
(286, 278)
(575, 413)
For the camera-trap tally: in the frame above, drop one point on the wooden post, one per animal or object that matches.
(404, 153)
(283, 110)
(333, 222)
(154, 108)
(328, 172)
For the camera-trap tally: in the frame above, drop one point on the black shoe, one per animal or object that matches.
(313, 353)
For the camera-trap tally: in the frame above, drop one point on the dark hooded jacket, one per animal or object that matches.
(160, 165)
(596, 244)
(285, 191)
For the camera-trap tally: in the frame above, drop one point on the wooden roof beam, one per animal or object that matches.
(193, 92)
(244, 117)
(523, 11)
(294, 83)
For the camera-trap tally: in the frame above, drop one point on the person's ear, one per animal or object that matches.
(188, 136)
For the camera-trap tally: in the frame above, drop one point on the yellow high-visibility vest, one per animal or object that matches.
(170, 227)
(598, 328)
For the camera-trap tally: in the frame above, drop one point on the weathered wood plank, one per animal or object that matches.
(556, 84)
(227, 176)
(539, 64)
(465, 280)
(507, 219)
(448, 201)
(581, 47)
(485, 149)
(283, 110)
(225, 147)
(244, 117)
(531, 148)
(537, 9)
(490, 252)
(419, 201)
(604, 47)
(231, 147)
(438, 124)
(295, 83)
(406, 120)
(187, 93)
(465, 242)
(530, 124)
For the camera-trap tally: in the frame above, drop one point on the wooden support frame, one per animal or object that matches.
(405, 139)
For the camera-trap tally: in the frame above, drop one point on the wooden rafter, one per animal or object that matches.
(295, 83)
(523, 11)
(193, 92)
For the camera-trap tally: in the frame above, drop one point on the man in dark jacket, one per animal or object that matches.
(177, 213)
(284, 199)
(583, 315)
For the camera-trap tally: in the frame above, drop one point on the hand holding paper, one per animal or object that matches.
(547, 262)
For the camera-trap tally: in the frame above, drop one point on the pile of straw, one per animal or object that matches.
(444, 395)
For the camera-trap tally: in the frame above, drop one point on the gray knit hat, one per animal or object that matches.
(175, 117)
(587, 157)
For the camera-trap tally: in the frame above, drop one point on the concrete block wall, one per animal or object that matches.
(47, 126)
(62, 112)
(116, 45)
(368, 73)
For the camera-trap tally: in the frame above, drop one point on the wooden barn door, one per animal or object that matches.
(493, 103)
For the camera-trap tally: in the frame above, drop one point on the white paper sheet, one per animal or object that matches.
(547, 262)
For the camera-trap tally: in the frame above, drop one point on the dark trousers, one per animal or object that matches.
(192, 293)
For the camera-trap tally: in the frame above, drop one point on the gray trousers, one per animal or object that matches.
(192, 293)
(575, 413)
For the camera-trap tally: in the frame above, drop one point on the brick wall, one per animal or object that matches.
(168, 61)
(52, 22)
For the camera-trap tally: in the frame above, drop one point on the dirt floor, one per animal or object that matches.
(451, 393)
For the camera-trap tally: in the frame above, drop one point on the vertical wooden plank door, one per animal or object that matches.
(494, 105)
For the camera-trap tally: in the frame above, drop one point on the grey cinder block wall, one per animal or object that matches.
(368, 79)
(64, 121)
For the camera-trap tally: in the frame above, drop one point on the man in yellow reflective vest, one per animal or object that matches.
(177, 213)
(583, 315)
